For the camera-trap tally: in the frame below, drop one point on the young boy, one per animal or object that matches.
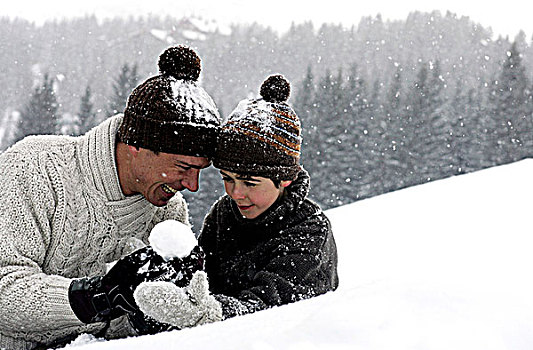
(266, 244)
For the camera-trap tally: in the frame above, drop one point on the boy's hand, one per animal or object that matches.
(181, 307)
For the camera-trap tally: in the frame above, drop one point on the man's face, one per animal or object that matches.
(252, 194)
(158, 177)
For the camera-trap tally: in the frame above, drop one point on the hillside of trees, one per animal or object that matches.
(384, 104)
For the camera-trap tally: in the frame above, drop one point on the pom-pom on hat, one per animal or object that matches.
(169, 112)
(262, 137)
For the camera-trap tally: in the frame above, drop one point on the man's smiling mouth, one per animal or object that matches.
(167, 189)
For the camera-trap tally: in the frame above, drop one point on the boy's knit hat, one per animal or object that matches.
(261, 137)
(169, 112)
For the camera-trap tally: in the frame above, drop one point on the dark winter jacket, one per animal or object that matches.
(286, 254)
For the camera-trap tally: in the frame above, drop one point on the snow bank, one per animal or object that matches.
(444, 265)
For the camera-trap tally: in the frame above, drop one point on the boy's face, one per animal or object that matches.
(252, 194)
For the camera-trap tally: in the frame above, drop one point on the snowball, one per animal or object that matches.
(172, 239)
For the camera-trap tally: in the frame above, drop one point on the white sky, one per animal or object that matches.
(504, 17)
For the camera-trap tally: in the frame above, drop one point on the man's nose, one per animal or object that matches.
(190, 180)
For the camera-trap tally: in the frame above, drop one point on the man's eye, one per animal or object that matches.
(250, 184)
(184, 167)
(227, 179)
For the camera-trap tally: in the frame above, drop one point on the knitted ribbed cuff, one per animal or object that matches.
(57, 306)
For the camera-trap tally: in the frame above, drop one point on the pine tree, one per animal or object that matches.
(460, 133)
(437, 119)
(527, 128)
(122, 87)
(394, 94)
(305, 109)
(40, 114)
(426, 131)
(419, 101)
(8, 131)
(303, 103)
(476, 114)
(510, 108)
(395, 132)
(393, 112)
(69, 124)
(323, 137)
(487, 132)
(356, 144)
(414, 127)
(86, 115)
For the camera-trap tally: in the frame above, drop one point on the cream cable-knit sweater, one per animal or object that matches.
(63, 216)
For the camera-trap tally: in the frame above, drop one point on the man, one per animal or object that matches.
(71, 205)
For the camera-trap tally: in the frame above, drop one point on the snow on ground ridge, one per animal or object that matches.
(444, 265)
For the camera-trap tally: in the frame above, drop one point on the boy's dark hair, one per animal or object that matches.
(277, 182)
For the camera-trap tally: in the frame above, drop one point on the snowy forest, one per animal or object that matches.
(383, 104)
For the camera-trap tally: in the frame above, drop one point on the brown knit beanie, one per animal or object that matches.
(261, 137)
(169, 112)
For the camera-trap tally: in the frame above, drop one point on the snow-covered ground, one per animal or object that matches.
(444, 265)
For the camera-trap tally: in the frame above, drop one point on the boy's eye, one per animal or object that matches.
(183, 167)
(250, 184)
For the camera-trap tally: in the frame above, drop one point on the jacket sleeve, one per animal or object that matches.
(32, 301)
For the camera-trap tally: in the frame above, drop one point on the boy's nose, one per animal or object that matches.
(237, 192)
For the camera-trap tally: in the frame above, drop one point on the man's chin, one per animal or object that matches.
(160, 202)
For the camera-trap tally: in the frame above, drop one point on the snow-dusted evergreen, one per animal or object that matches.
(384, 104)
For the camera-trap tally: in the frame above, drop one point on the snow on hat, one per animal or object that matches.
(261, 137)
(169, 112)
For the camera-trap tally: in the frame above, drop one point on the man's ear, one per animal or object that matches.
(134, 151)
(285, 183)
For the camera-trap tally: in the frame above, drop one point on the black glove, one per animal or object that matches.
(178, 271)
(103, 298)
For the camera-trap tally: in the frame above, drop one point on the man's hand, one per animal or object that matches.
(104, 298)
(181, 307)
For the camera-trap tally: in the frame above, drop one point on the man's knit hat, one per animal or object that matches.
(169, 112)
(261, 137)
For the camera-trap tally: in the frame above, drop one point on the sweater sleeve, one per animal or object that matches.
(35, 304)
